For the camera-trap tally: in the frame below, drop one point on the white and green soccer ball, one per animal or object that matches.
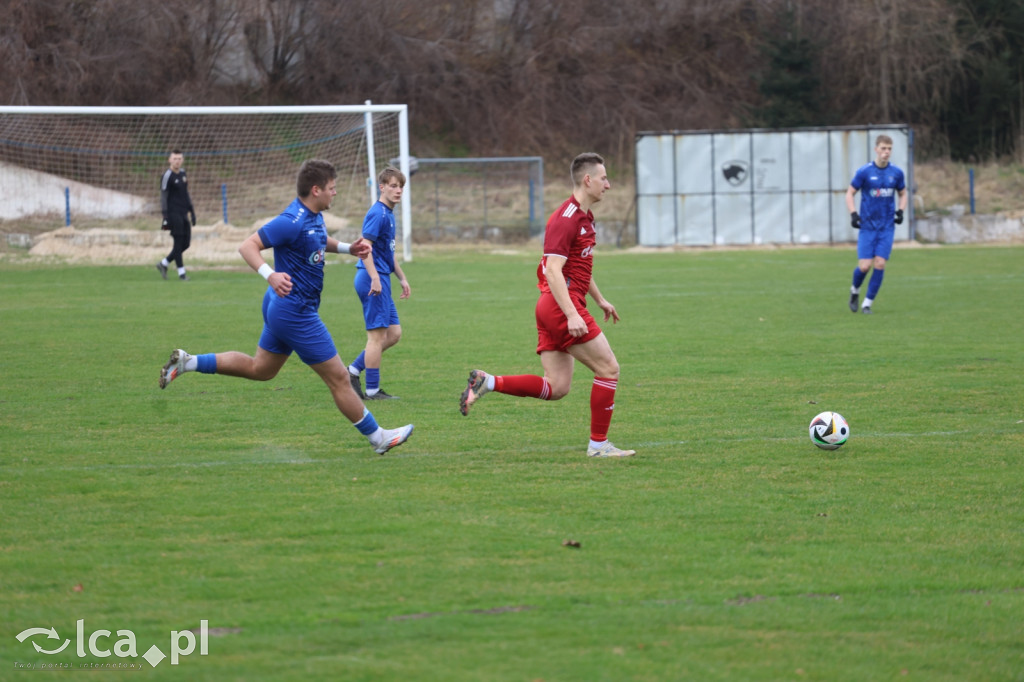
(829, 430)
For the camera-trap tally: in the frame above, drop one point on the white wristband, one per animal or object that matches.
(266, 271)
(343, 247)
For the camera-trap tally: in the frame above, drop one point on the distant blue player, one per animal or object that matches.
(291, 321)
(879, 182)
(373, 285)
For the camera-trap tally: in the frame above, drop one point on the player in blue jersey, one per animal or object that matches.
(373, 285)
(881, 185)
(291, 303)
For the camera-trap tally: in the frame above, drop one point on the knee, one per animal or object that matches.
(558, 391)
(377, 340)
(608, 370)
(263, 373)
(394, 336)
(879, 264)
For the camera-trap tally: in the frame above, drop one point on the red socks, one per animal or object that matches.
(602, 403)
(524, 386)
(602, 397)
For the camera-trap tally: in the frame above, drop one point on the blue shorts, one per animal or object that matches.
(871, 243)
(291, 324)
(379, 311)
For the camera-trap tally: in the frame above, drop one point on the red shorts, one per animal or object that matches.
(553, 327)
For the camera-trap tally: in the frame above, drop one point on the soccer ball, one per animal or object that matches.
(829, 430)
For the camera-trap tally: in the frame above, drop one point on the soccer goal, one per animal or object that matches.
(97, 166)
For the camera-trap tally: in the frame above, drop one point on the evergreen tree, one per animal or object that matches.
(984, 116)
(789, 85)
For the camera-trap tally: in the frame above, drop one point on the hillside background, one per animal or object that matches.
(526, 77)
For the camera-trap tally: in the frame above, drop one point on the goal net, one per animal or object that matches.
(101, 166)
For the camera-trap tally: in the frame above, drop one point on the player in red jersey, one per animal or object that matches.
(566, 331)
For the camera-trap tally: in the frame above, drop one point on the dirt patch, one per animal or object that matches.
(211, 244)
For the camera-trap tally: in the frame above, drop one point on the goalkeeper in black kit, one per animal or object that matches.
(179, 215)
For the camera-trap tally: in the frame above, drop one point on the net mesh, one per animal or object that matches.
(98, 169)
(493, 199)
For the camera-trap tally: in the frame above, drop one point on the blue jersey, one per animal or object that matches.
(299, 239)
(379, 228)
(878, 188)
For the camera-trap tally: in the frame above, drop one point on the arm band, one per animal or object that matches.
(266, 271)
(343, 247)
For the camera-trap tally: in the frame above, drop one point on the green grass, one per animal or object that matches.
(729, 548)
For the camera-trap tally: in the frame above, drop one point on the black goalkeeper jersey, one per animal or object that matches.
(174, 198)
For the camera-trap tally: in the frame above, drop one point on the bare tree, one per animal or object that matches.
(275, 33)
(502, 76)
(211, 26)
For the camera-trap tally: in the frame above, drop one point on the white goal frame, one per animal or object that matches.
(367, 109)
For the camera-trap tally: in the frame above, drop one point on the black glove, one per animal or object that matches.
(164, 225)
(899, 216)
(194, 218)
(855, 220)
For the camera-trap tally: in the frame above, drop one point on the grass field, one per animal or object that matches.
(729, 548)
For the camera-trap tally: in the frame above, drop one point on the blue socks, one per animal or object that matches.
(367, 425)
(858, 278)
(876, 283)
(207, 363)
(372, 378)
(359, 364)
(873, 285)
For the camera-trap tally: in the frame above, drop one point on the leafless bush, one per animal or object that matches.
(492, 77)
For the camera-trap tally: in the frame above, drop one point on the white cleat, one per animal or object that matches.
(393, 438)
(174, 367)
(477, 387)
(606, 449)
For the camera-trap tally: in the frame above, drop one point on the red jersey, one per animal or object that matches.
(570, 234)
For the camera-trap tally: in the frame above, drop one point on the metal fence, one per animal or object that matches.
(491, 198)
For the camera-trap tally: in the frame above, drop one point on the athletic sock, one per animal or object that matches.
(875, 284)
(372, 380)
(867, 302)
(858, 279)
(358, 365)
(524, 386)
(368, 425)
(165, 262)
(602, 403)
(205, 363)
(181, 271)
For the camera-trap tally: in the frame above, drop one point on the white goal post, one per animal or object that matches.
(93, 166)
